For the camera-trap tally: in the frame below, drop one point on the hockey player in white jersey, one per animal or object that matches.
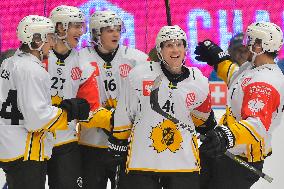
(162, 153)
(254, 105)
(110, 63)
(64, 167)
(28, 121)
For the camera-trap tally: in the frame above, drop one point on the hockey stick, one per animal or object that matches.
(168, 12)
(117, 172)
(156, 107)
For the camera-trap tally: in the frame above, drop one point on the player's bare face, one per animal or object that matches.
(74, 32)
(49, 44)
(173, 52)
(110, 37)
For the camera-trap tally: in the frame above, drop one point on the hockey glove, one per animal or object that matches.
(208, 125)
(77, 108)
(209, 52)
(118, 148)
(217, 141)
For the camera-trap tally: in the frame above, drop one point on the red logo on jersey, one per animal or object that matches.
(190, 98)
(96, 68)
(124, 70)
(245, 82)
(76, 73)
(147, 85)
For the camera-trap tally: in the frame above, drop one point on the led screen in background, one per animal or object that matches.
(218, 20)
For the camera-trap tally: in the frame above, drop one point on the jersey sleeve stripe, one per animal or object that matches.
(250, 129)
(59, 122)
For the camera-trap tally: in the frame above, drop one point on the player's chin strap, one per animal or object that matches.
(39, 49)
(63, 38)
(254, 54)
(154, 101)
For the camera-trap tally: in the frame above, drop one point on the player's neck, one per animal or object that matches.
(263, 59)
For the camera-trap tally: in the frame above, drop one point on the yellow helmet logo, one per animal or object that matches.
(166, 136)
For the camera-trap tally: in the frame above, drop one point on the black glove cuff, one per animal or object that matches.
(227, 135)
(117, 145)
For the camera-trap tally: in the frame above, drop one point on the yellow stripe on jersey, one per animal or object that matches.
(241, 128)
(59, 122)
(100, 119)
(197, 120)
(34, 146)
(225, 70)
(122, 135)
(122, 128)
(12, 159)
(122, 132)
(66, 142)
(194, 145)
(255, 152)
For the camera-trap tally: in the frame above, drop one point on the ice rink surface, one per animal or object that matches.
(274, 165)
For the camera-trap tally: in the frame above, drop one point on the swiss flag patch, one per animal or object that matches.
(147, 85)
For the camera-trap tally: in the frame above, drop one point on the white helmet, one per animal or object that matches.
(270, 34)
(66, 14)
(34, 24)
(169, 33)
(102, 19)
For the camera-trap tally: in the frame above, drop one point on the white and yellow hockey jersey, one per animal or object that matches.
(157, 144)
(254, 106)
(110, 78)
(65, 81)
(27, 119)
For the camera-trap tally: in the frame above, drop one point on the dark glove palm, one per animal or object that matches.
(217, 141)
(209, 52)
(77, 108)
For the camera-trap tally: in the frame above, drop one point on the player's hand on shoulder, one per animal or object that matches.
(77, 108)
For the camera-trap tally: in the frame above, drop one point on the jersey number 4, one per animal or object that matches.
(15, 115)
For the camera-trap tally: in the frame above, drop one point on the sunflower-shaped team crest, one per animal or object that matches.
(166, 136)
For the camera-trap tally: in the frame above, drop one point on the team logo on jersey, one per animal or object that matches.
(76, 73)
(245, 82)
(124, 70)
(5, 74)
(108, 73)
(147, 85)
(96, 68)
(80, 182)
(59, 71)
(190, 98)
(255, 105)
(166, 136)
